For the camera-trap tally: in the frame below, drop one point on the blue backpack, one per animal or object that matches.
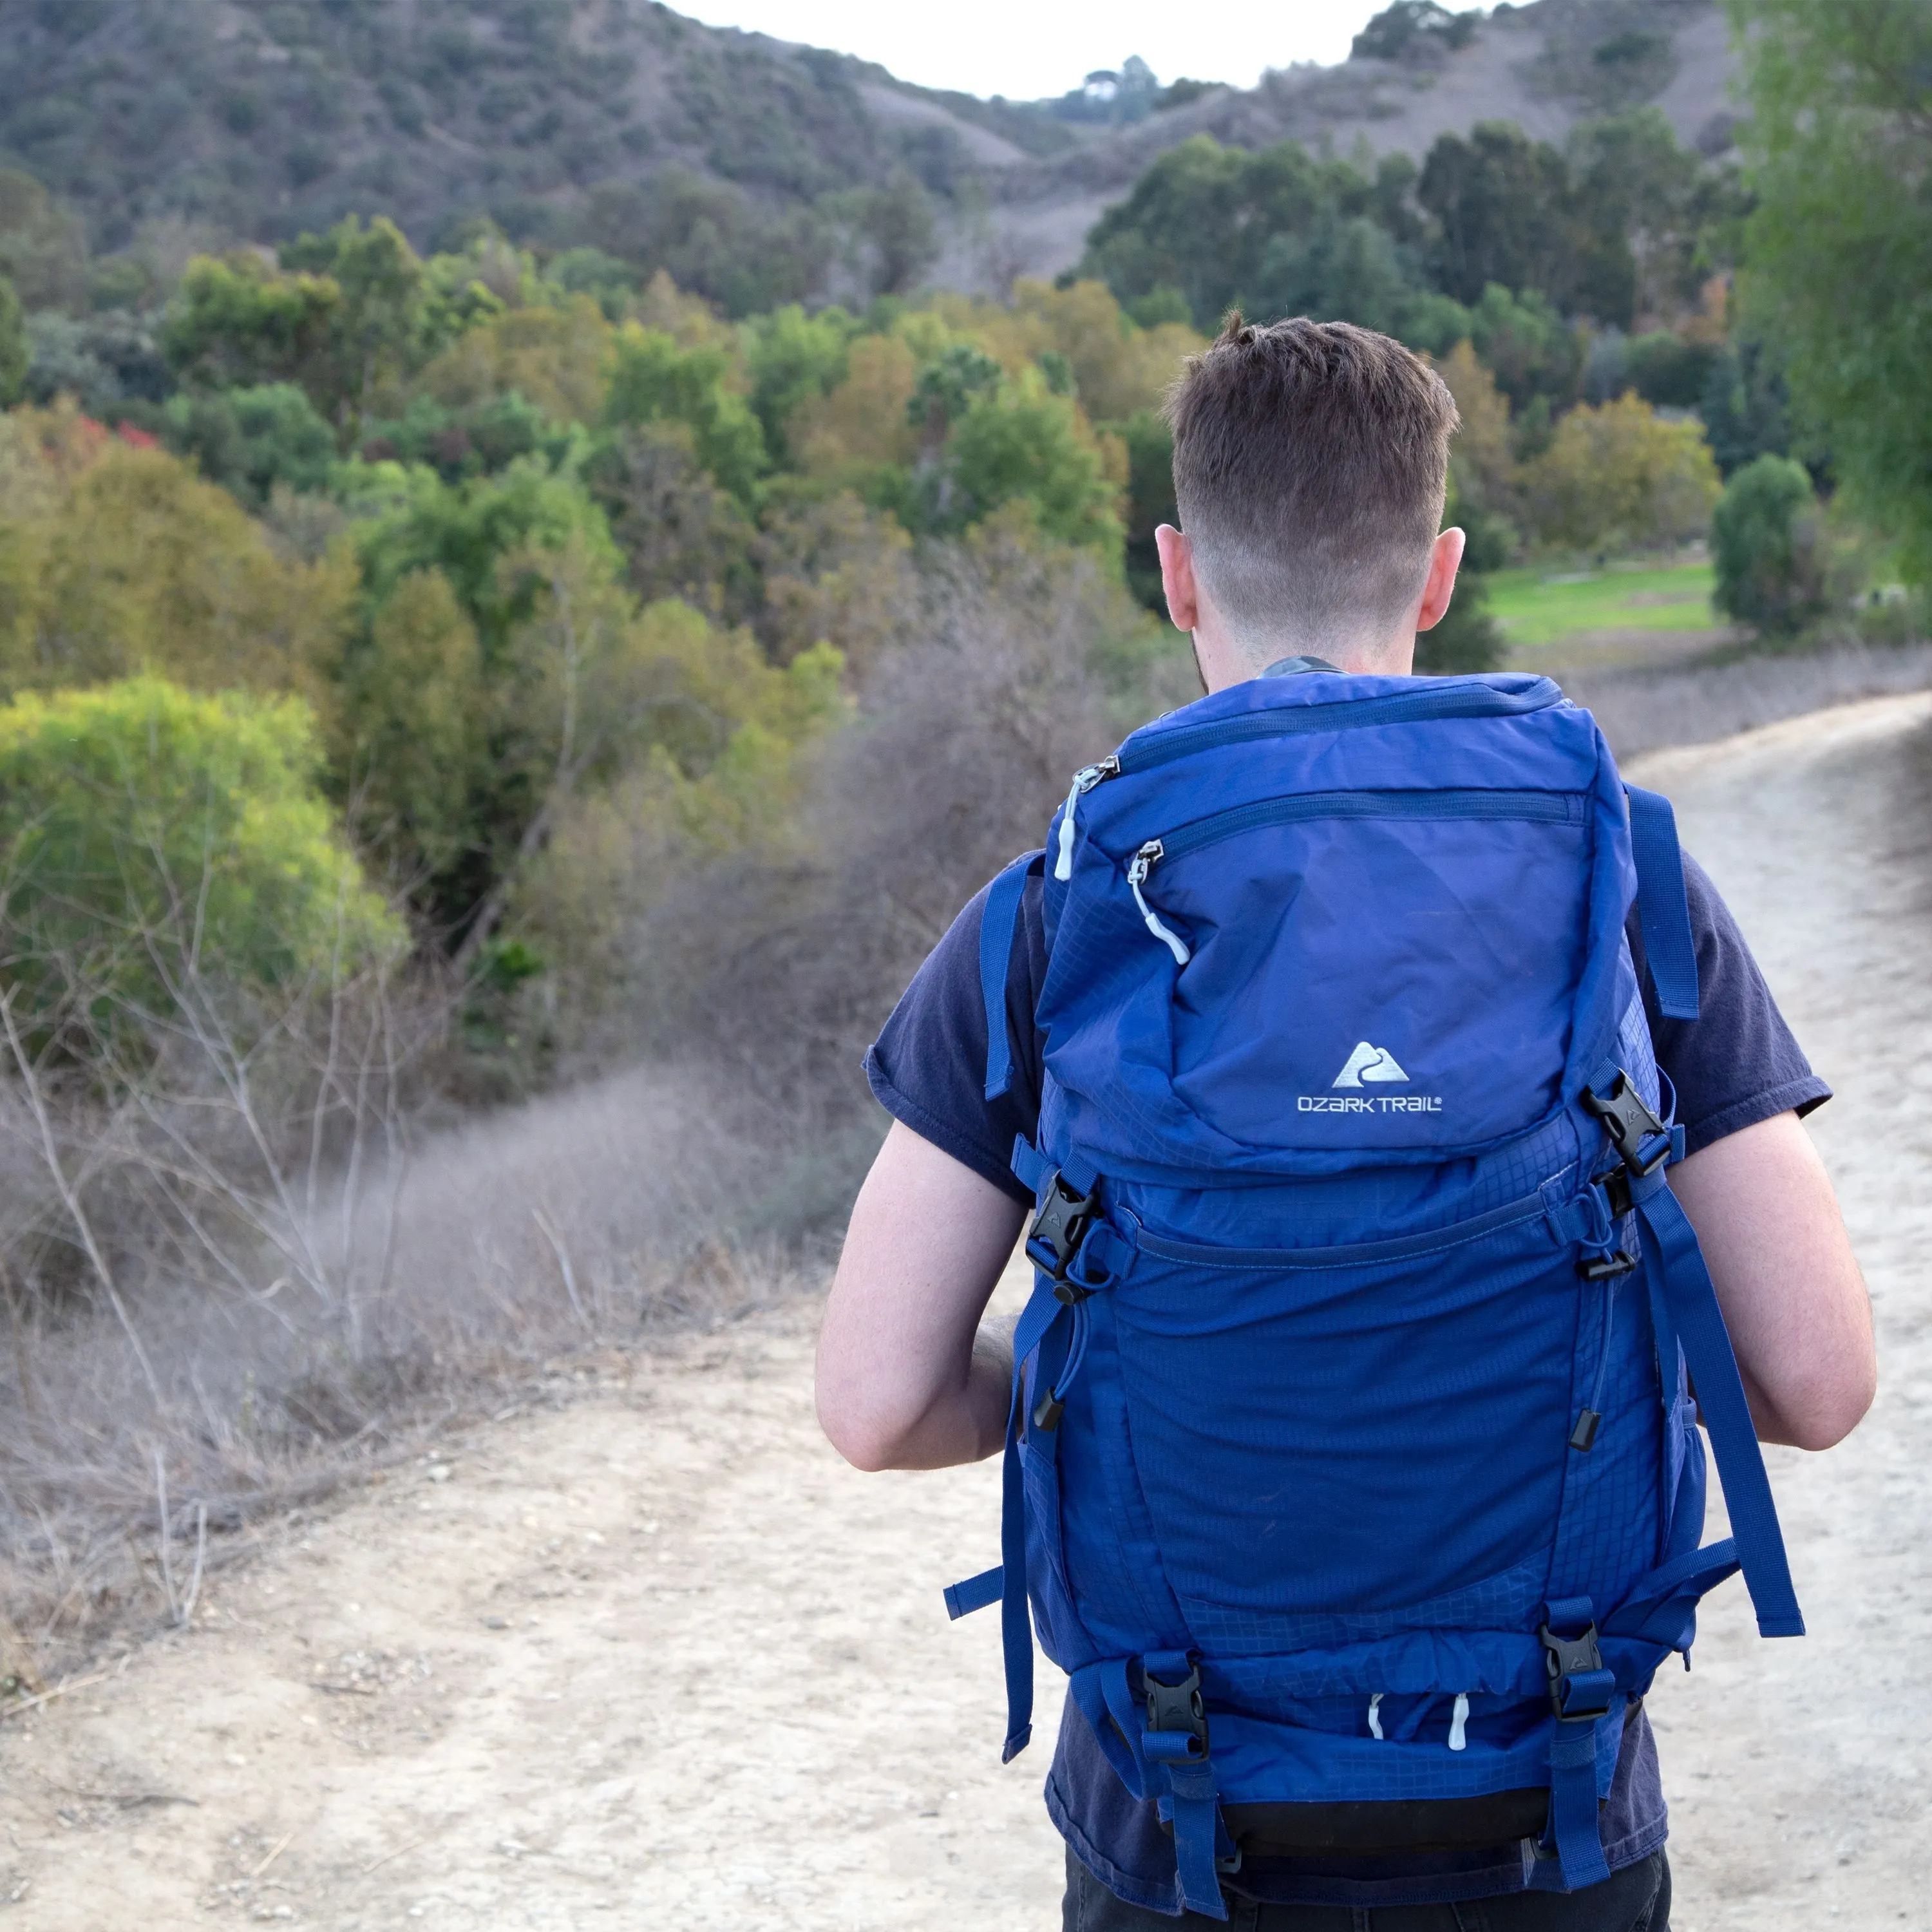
(1353, 1470)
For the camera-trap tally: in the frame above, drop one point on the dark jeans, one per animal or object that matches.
(1636, 1899)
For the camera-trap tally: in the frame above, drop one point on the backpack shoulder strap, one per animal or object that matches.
(1662, 908)
(998, 925)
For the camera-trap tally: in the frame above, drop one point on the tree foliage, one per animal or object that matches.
(147, 833)
(1768, 546)
(1620, 477)
(1840, 242)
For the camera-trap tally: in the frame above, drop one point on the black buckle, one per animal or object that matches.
(1629, 1122)
(1058, 1228)
(1178, 1707)
(1616, 1189)
(1606, 1267)
(1567, 1658)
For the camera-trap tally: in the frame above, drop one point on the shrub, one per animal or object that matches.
(1767, 543)
(1621, 477)
(151, 837)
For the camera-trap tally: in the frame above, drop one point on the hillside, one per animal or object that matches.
(1545, 66)
(191, 121)
(259, 118)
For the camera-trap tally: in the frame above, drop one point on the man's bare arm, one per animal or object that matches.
(907, 1377)
(1793, 1296)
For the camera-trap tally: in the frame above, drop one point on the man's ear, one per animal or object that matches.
(1444, 560)
(1176, 576)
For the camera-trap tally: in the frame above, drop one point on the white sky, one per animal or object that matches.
(1028, 49)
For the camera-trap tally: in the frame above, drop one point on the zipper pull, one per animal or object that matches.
(1139, 866)
(1458, 1719)
(1085, 780)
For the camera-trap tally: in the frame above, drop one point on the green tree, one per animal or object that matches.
(1621, 478)
(149, 837)
(1838, 251)
(236, 319)
(140, 565)
(1203, 217)
(250, 439)
(15, 355)
(1035, 447)
(793, 358)
(1768, 546)
(656, 378)
(346, 315)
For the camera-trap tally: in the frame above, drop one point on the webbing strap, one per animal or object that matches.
(997, 924)
(1016, 1621)
(1706, 1343)
(975, 1593)
(1196, 1810)
(1663, 908)
(1573, 1803)
(1040, 1314)
(1106, 1702)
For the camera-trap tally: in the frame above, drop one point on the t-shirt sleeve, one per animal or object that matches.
(927, 1067)
(1737, 1063)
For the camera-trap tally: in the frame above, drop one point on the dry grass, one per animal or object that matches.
(579, 1221)
(1644, 711)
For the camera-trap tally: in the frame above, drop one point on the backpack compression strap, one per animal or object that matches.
(1692, 1302)
(998, 925)
(1663, 909)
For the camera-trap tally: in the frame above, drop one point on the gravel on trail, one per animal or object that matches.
(651, 1656)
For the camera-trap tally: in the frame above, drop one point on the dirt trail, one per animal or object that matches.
(653, 1656)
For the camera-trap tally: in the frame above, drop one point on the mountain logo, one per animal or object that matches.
(1368, 1063)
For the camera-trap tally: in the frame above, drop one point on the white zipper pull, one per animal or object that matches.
(1375, 1717)
(1139, 866)
(1457, 1740)
(1085, 780)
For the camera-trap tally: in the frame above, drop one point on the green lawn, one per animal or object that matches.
(1537, 608)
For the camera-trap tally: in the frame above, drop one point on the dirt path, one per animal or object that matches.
(655, 1658)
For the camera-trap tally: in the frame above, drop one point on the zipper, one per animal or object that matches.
(1553, 807)
(1139, 866)
(1085, 780)
(1407, 707)
(1162, 748)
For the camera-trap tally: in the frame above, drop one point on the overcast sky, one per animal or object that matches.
(1026, 48)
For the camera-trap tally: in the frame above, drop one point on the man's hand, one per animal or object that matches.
(1793, 1296)
(907, 1377)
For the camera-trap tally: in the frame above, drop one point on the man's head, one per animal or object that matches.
(1309, 463)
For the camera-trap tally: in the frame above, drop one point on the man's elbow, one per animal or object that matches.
(866, 1438)
(1821, 1416)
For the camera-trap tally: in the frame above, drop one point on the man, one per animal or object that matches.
(1309, 467)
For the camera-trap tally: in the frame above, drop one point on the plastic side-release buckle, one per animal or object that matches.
(1060, 1224)
(1580, 1688)
(1635, 1131)
(1177, 1710)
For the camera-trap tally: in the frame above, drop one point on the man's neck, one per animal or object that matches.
(1223, 663)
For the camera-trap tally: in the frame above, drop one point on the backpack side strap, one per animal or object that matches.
(998, 925)
(1692, 1303)
(1663, 908)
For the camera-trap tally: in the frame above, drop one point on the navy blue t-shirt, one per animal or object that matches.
(1736, 1065)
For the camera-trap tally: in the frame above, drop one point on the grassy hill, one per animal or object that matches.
(263, 119)
(259, 118)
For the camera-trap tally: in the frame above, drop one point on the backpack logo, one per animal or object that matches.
(1368, 1063)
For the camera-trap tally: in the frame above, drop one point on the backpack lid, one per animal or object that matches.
(1313, 922)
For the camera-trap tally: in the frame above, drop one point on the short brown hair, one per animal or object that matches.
(1310, 459)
